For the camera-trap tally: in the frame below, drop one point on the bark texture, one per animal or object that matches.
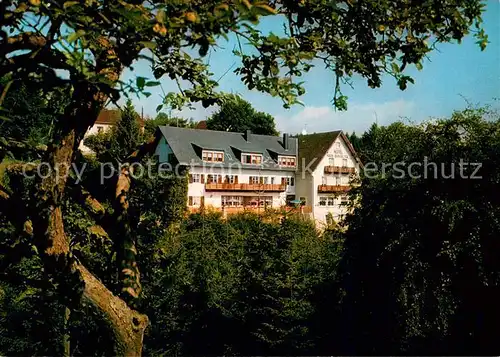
(125, 326)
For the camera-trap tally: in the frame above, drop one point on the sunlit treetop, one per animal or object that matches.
(92, 41)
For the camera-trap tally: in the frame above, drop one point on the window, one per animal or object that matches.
(337, 145)
(272, 180)
(100, 129)
(263, 180)
(323, 180)
(214, 178)
(344, 199)
(195, 178)
(231, 179)
(251, 159)
(212, 156)
(287, 161)
(253, 179)
(303, 201)
(322, 201)
(289, 181)
(331, 201)
(331, 161)
(337, 180)
(194, 201)
(344, 162)
(231, 201)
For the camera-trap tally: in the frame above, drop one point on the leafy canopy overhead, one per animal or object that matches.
(238, 115)
(92, 41)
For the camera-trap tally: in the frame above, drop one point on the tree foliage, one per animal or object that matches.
(419, 269)
(237, 115)
(163, 119)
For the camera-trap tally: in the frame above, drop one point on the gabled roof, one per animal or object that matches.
(313, 147)
(108, 116)
(112, 116)
(185, 144)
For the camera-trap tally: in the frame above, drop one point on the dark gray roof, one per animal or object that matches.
(186, 145)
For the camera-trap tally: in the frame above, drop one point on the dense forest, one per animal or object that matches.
(118, 267)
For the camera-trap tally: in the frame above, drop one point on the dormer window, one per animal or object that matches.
(251, 159)
(212, 156)
(286, 161)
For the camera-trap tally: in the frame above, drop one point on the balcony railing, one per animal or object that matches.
(244, 187)
(253, 209)
(333, 188)
(339, 170)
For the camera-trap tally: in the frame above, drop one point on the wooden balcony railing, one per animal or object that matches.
(333, 188)
(253, 209)
(339, 170)
(244, 187)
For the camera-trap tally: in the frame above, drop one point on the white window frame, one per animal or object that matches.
(196, 178)
(195, 201)
(344, 162)
(211, 155)
(322, 199)
(253, 180)
(287, 161)
(330, 201)
(255, 159)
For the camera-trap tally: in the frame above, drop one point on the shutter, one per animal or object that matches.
(283, 181)
(190, 178)
(202, 201)
(235, 179)
(190, 200)
(219, 179)
(202, 178)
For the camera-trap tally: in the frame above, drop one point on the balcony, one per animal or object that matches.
(245, 187)
(339, 170)
(252, 209)
(333, 188)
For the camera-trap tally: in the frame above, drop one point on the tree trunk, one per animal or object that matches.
(125, 326)
(66, 335)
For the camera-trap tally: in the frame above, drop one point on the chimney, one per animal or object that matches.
(247, 135)
(285, 141)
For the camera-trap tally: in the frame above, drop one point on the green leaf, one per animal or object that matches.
(147, 94)
(140, 82)
(75, 35)
(149, 44)
(395, 67)
(152, 84)
(70, 3)
(160, 107)
(160, 16)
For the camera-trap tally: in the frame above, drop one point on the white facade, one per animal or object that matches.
(214, 199)
(264, 181)
(324, 203)
(94, 129)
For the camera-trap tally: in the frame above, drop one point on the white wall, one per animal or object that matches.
(92, 131)
(213, 198)
(334, 157)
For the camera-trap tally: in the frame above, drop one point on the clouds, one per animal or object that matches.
(357, 118)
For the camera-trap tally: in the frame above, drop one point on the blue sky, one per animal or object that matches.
(452, 73)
